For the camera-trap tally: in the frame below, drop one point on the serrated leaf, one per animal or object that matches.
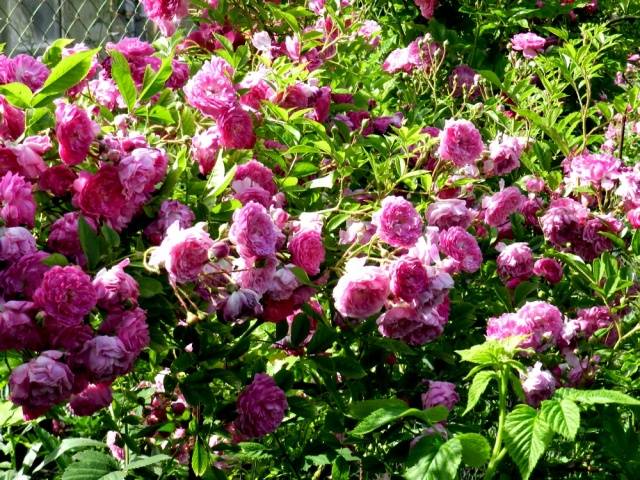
(393, 412)
(430, 460)
(91, 465)
(141, 462)
(154, 83)
(491, 352)
(53, 54)
(593, 397)
(67, 73)
(66, 445)
(475, 449)
(121, 73)
(55, 259)
(477, 388)
(366, 407)
(563, 417)
(526, 438)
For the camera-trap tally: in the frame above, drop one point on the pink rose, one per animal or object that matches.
(397, 222)
(29, 71)
(460, 143)
(504, 155)
(361, 291)
(100, 194)
(170, 212)
(183, 252)
(236, 128)
(261, 407)
(211, 90)
(515, 263)
(440, 393)
(409, 278)
(449, 213)
(166, 14)
(24, 276)
(307, 250)
(548, 268)
(564, 221)
(500, 205)
(94, 397)
(426, 7)
(57, 179)
(538, 384)
(204, 149)
(40, 384)
(142, 170)
(18, 330)
(243, 303)
(102, 359)
(463, 81)
(66, 294)
(17, 206)
(75, 132)
(528, 43)
(15, 243)
(115, 288)
(253, 232)
(256, 276)
(11, 120)
(462, 248)
(64, 237)
(132, 329)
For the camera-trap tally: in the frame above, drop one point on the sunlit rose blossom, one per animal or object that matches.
(538, 384)
(528, 43)
(361, 291)
(460, 143)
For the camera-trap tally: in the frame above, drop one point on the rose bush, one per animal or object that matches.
(325, 239)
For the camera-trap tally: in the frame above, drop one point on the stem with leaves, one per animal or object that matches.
(498, 451)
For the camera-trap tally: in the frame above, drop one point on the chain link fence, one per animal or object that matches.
(29, 26)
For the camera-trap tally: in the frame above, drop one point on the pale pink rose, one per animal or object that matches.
(538, 384)
(17, 205)
(184, 253)
(504, 155)
(142, 170)
(515, 263)
(528, 43)
(361, 291)
(499, 206)
(449, 213)
(211, 90)
(166, 14)
(253, 232)
(307, 250)
(115, 288)
(204, 149)
(460, 143)
(462, 248)
(397, 222)
(29, 154)
(256, 276)
(15, 243)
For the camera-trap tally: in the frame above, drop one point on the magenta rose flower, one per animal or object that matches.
(166, 14)
(539, 322)
(11, 120)
(183, 252)
(132, 329)
(538, 384)
(397, 222)
(75, 132)
(243, 303)
(142, 170)
(409, 278)
(40, 384)
(255, 275)
(170, 212)
(18, 331)
(100, 194)
(500, 205)
(440, 393)
(449, 213)
(24, 276)
(115, 288)
(64, 237)
(66, 294)
(462, 248)
(253, 232)
(102, 359)
(15, 243)
(504, 156)
(204, 149)
(460, 143)
(29, 71)
(426, 7)
(564, 221)
(412, 326)
(599, 170)
(361, 291)
(515, 263)
(236, 128)
(261, 407)
(463, 80)
(528, 43)
(57, 179)
(94, 397)
(17, 206)
(549, 269)
(307, 250)
(257, 174)
(211, 90)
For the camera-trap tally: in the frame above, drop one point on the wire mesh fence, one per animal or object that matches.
(28, 26)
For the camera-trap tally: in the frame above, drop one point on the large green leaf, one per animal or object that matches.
(526, 437)
(91, 465)
(563, 416)
(593, 397)
(67, 73)
(366, 407)
(66, 445)
(491, 352)
(141, 462)
(431, 460)
(475, 449)
(121, 73)
(477, 388)
(18, 94)
(199, 459)
(392, 412)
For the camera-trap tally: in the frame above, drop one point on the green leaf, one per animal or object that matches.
(526, 437)
(365, 407)
(392, 412)
(563, 416)
(66, 445)
(89, 242)
(349, 367)
(121, 73)
(53, 54)
(477, 388)
(199, 459)
(111, 236)
(149, 287)
(593, 397)
(491, 352)
(55, 259)
(429, 460)
(303, 169)
(17, 94)
(299, 329)
(90, 465)
(158, 80)
(141, 462)
(68, 72)
(475, 449)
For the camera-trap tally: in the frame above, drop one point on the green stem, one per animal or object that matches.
(498, 452)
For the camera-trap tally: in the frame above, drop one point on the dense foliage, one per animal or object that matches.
(325, 239)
